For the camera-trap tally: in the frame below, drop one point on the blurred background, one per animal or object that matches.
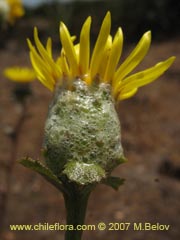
(150, 123)
(135, 17)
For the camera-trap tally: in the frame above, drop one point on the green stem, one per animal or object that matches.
(76, 204)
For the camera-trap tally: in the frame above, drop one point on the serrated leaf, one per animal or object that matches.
(43, 171)
(113, 182)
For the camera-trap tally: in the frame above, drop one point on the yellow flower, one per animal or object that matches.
(20, 74)
(4, 10)
(16, 10)
(75, 61)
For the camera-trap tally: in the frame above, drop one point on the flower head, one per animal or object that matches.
(75, 61)
(20, 74)
(16, 10)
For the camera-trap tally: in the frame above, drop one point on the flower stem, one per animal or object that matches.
(76, 199)
(5, 191)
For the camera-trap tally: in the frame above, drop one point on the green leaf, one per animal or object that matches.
(43, 171)
(113, 182)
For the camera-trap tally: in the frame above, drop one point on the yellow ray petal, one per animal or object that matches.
(45, 83)
(35, 65)
(114, 56)
(134, 58)
(144, 77)
(49, 47)
(100, 45)
(69, 49)
(42, 74)
(38, 59)
(63, 64)
(105, 57)
(45, 54)
(126, 95)
(84, 51)
(77, 49)
(42, 51)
